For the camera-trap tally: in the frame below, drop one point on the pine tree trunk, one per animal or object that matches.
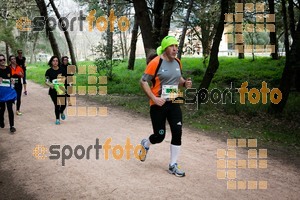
(186, 22)
(241, 54)
(134, 35)
(273, 39)
(36, 36)
(7, 52)
(292, 64)
(158, 11)
(213, 60)
(166, 20)
(141, 10)
(43, 11)
(66, 32)
(109, 42)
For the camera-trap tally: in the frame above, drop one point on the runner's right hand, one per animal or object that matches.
(159, 101)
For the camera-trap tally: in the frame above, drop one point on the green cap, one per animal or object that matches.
(167, 41)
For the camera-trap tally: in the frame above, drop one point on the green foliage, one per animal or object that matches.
(106, 66)
(6, 34)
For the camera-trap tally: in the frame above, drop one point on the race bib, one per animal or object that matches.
(16, 80)
(5, 83)
(169, 91)
(55, 81)
(58, 81)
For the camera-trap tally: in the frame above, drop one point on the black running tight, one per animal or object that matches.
(18, 88)
(159, 114)
(9, 105)
(59, 104)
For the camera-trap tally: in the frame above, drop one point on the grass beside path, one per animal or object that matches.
(221, 120)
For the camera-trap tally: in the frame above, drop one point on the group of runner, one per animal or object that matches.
(11, 78)
(162, 75)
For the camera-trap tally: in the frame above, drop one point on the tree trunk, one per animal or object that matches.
(43, 11)
(145, 24)
(7, 52)
(205, 40)
(213, 60)
(241, 54)
(122, 45)
(273, 39)
(141, 10)
(66, 32)
(168, 11)
(291, 17)
(186, 22)
(158, 18)
(292, 63)
(134, 35)
(125, 44)
(109, 41)
(36, 36)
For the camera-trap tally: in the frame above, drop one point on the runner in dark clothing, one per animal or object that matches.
(55, 75)
(21, 62)
(7, 94)
(69, 79)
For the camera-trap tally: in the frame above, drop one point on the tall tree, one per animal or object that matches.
(292, 63)
(142, 11)
(109, 34)
(134, 35)
(43, 11)
(166, 20)
(213, 60)
(207, 20)
(185, 25)
(63, 26)
(273, 38)
(157, 13)
(32, 56)
(241, 54)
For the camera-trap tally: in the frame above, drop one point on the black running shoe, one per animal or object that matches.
(2, 125)
(12, 129)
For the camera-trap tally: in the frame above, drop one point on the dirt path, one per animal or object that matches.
(22, 176)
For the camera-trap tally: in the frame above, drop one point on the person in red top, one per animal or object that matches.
(164, 74)
(17, 73)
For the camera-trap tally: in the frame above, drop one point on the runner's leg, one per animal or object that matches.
(158, 118)
(175, 120)
(9, 105)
